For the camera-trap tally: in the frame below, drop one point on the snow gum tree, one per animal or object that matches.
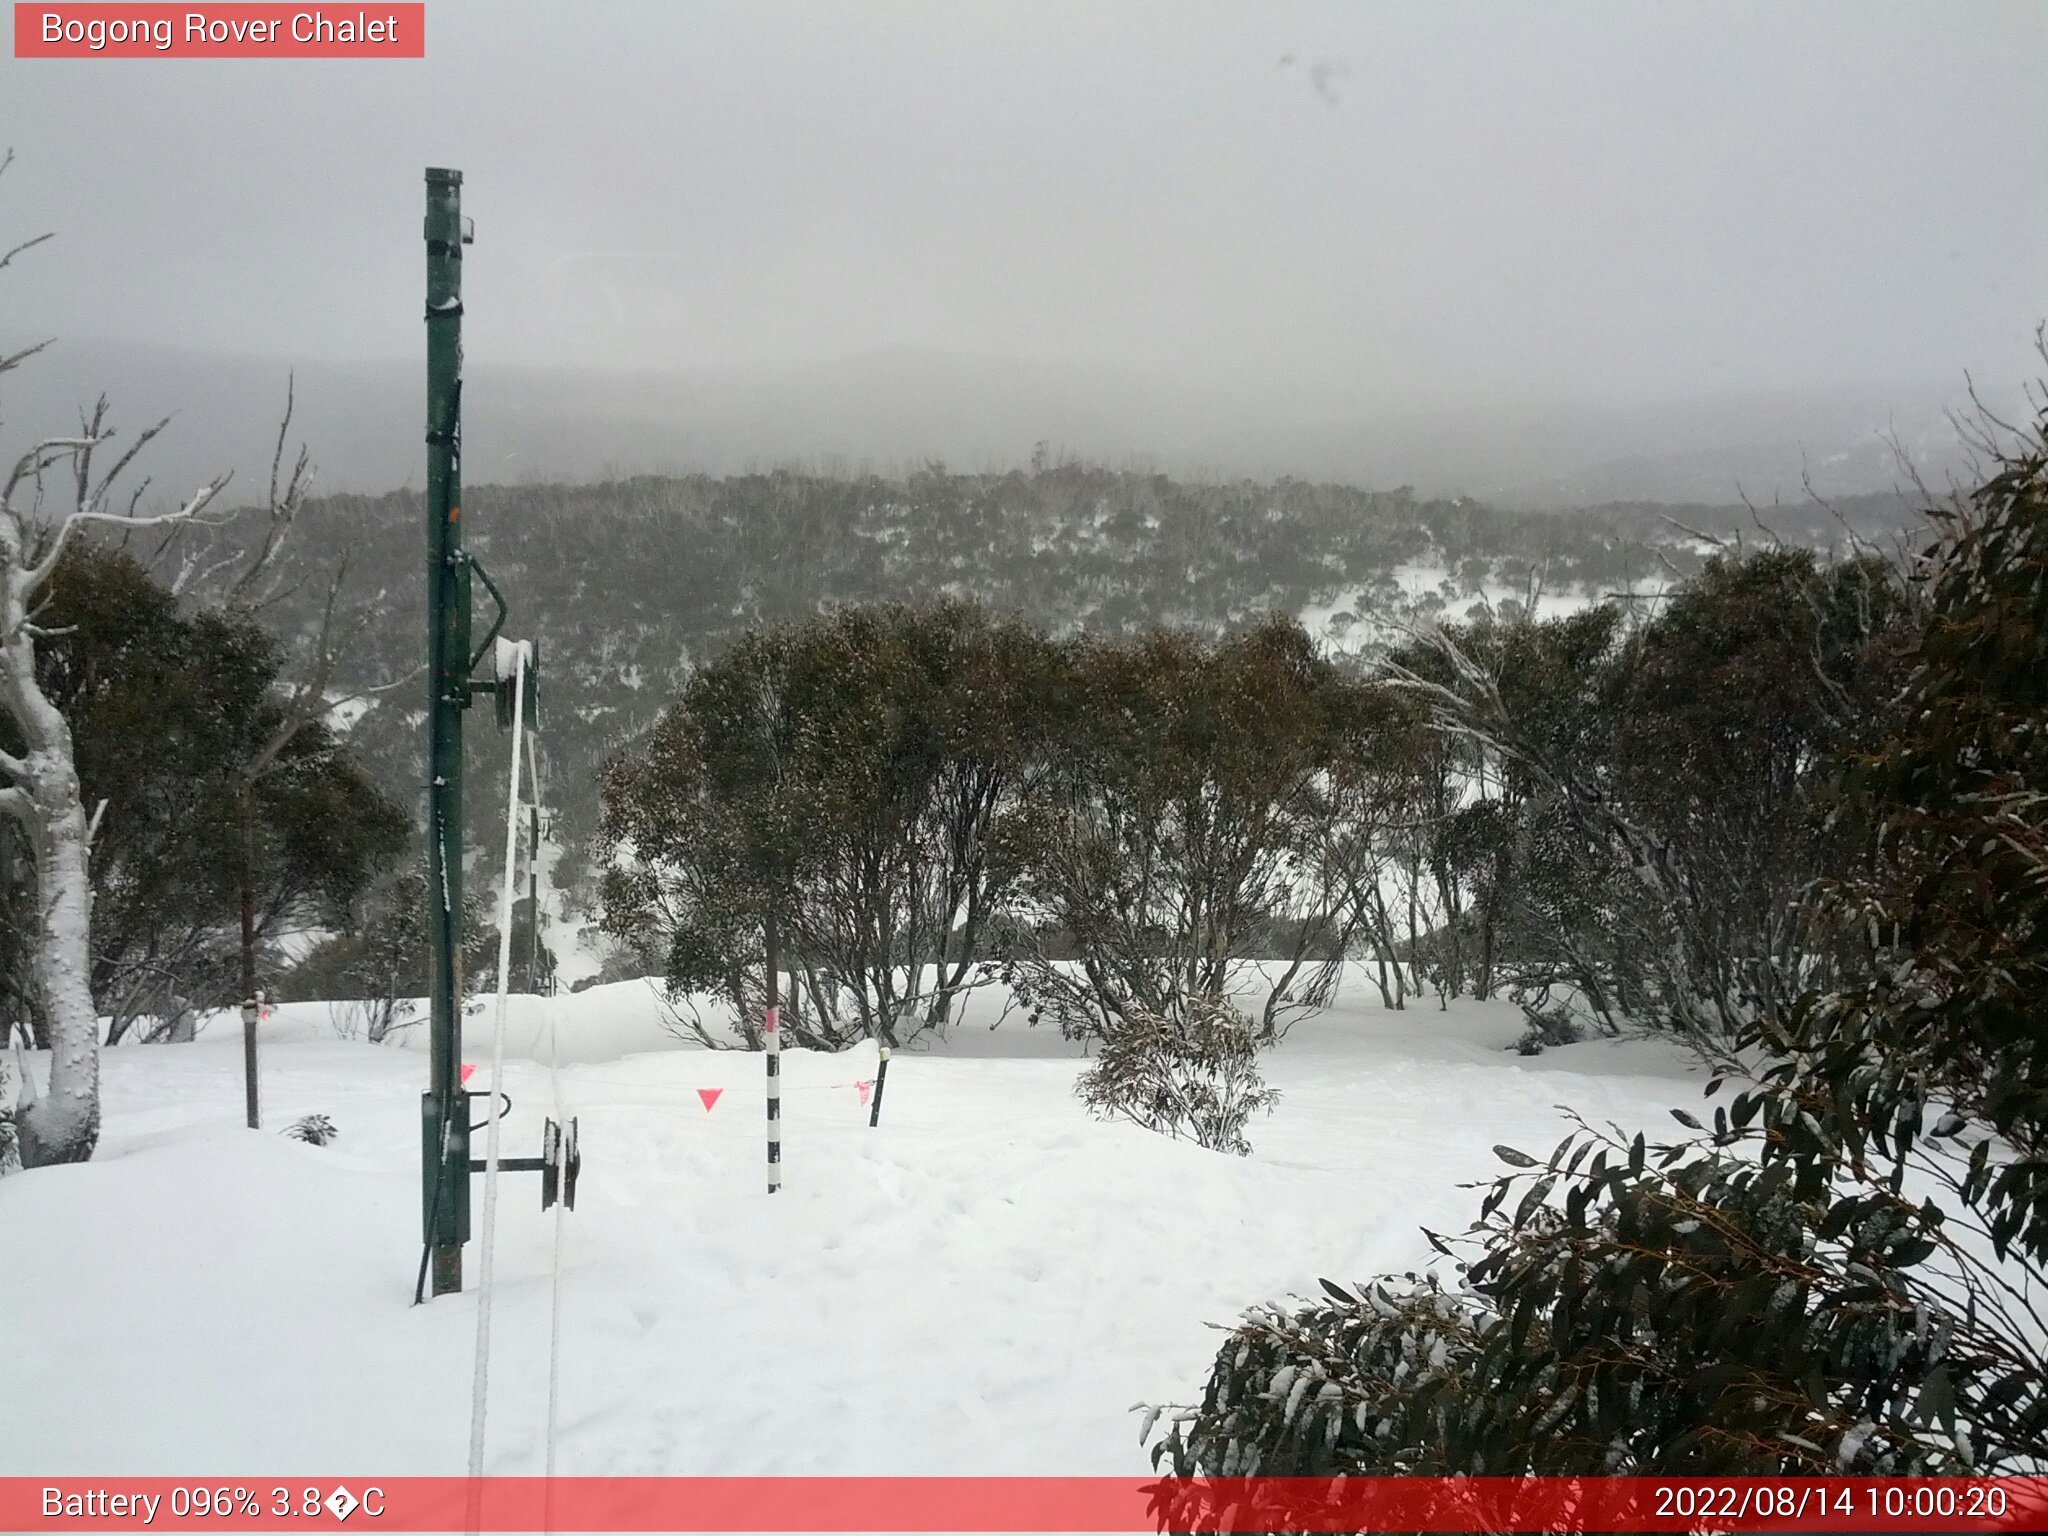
(39, 785)
(1181, 835)
(1647, 811)
(163, 708)
(860, 778)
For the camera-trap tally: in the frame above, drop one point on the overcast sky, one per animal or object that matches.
(1407, 200)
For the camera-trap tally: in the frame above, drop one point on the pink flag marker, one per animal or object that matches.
(866, 1086)
(467, 1069)
(709, 1096)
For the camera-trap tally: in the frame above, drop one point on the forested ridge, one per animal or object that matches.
(629, 584)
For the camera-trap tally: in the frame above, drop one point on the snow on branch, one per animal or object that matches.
(42, 570)
(11, 360)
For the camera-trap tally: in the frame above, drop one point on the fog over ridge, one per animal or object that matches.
(1548, 254)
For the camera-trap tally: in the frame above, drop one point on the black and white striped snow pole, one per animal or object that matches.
(881, 1077)
(774, 1039)
(771, 1031)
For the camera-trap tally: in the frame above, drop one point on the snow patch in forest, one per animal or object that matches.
(1362, 617)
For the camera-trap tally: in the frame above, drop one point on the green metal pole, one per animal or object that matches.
(445, 1120)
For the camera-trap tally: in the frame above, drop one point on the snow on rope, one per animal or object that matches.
(511, 665)
(561, 1206)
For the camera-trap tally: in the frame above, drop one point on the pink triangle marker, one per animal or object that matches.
(468, 1070)
(709, 1096)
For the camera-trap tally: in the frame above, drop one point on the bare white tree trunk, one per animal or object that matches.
(39, 788)
(62, 1125)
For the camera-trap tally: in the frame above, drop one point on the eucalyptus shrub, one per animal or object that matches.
(1842, 1273)
(1622, 1308)
(1192, 1073)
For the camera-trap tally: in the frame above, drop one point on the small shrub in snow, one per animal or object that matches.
(317, 1129)
(1195, 1076)
(375, 1019)
(1548, 1026)
(10, 1149)
(1330, 1387)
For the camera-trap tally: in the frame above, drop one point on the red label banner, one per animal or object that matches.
(244, 31)
(1016, 1504)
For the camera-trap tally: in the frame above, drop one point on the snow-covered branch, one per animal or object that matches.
(11, 360)
(197, 502)
(45, 454)
(329, 704)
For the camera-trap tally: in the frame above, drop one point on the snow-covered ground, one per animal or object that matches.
(986, 1284)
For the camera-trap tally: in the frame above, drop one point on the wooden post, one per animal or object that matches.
(252, 1010)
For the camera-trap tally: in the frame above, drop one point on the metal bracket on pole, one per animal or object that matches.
(558, 1165)
(476, 567)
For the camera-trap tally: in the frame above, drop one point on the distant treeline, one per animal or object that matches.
(629, 584)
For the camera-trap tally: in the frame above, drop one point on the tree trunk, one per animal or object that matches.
(62, 1125)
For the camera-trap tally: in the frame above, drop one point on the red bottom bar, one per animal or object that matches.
(1021, 1504)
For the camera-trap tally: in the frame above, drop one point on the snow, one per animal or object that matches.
(344, 716)
(986, 1284)
(508, 657)
(1359, 617)
(571, 937)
